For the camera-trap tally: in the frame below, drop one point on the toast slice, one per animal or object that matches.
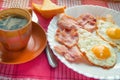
(48, 9)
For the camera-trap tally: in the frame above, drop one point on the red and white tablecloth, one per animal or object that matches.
(38, 68)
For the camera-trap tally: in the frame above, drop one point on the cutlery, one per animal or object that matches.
(50, 56)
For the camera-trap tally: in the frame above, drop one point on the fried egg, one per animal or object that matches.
(97, 51)
(109, 32)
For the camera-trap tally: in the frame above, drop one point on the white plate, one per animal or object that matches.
(82, 68)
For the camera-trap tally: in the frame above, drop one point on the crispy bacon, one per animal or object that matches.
(71, 54)
(61, 49)
(67, 22)
(67, 37)
(67, 31)
(87, 21)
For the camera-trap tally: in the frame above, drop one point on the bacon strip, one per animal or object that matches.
(66, 33)
(87, 21)
(71, 54)
(67, 37)
(67, 22)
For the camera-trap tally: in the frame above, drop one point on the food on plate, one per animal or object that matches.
(108, 18)
(67, 22)
(67, 31)
(109, 31)
(48, 9)
(96, 50)
(71, 54)
(67, 28)
(68, 37)
(87, 21)
(77, 38)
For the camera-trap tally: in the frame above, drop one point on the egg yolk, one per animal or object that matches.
(113, 33)
(101, 52)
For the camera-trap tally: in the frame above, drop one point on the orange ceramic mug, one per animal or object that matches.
(15, 39)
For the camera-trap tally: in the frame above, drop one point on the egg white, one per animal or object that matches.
(87, 41)
(102, 27)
